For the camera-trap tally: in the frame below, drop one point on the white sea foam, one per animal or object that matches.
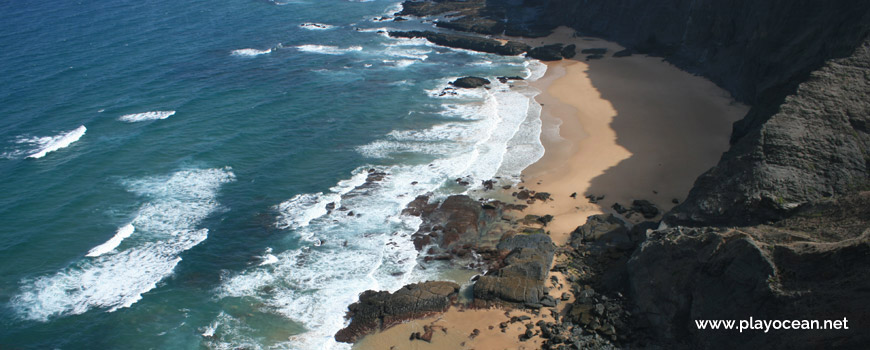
(140, 117)
(38, 147)
(250, 52)
(297, 212)
(316, 26)
(327, 49)
(123, 232)
(165, 227)
(534, 69)
(347, 254)
(399, 63)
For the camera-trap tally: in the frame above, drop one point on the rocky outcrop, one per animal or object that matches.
(457, 218)
(817, 145)
(602, 229)
(432, 8)
(521, 279)
(547, 52)
(474, 24)
(468, 42)
(381, 310)
(681, 274)
(470, 83)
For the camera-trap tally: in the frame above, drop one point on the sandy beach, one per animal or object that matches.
(628, 128)
(624, 128)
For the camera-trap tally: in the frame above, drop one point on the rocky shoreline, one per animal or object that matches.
(780, 229)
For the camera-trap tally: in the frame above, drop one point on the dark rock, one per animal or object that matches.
(488, 185)
(573, 195)
(619, 208)
(381, 310)
(457, 217)
(569, 51)
(428, 332)
(645, 207)
(545, 219)
(522, 278)
(419, 206)
(548, 301)
(547, 53)
(432, 8)
(810, 147)
(467, 42)
(470, 82)
(504, 80)
(524, 194)
(603, 228)
(681, 274)
(473, 24)
(542, 196)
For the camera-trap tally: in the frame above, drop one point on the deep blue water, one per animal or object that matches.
(208, 228)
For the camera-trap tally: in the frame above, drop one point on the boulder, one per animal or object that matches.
(603, 229)
(547, 53)
(645, 208)
(381, 310)
(521, 279)
(470, 82)
(569, 51)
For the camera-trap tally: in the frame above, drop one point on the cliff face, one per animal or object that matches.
(815, 146)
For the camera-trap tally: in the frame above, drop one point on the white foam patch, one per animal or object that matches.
(444, 90)
(399, 63)
(38, 147)
(141, 117)
(299, 211)
(316, 26)
(250, 52)
(165, 227)
(122, 233)
(534, 69)
(327, 49)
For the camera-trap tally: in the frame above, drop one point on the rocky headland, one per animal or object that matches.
(779, 229)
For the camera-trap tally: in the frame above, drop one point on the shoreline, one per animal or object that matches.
(595, 143)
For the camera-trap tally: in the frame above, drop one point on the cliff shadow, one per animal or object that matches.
(674, 125)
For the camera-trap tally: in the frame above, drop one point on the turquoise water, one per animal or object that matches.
(167, 165)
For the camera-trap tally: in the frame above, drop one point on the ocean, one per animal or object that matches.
(167, 166)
